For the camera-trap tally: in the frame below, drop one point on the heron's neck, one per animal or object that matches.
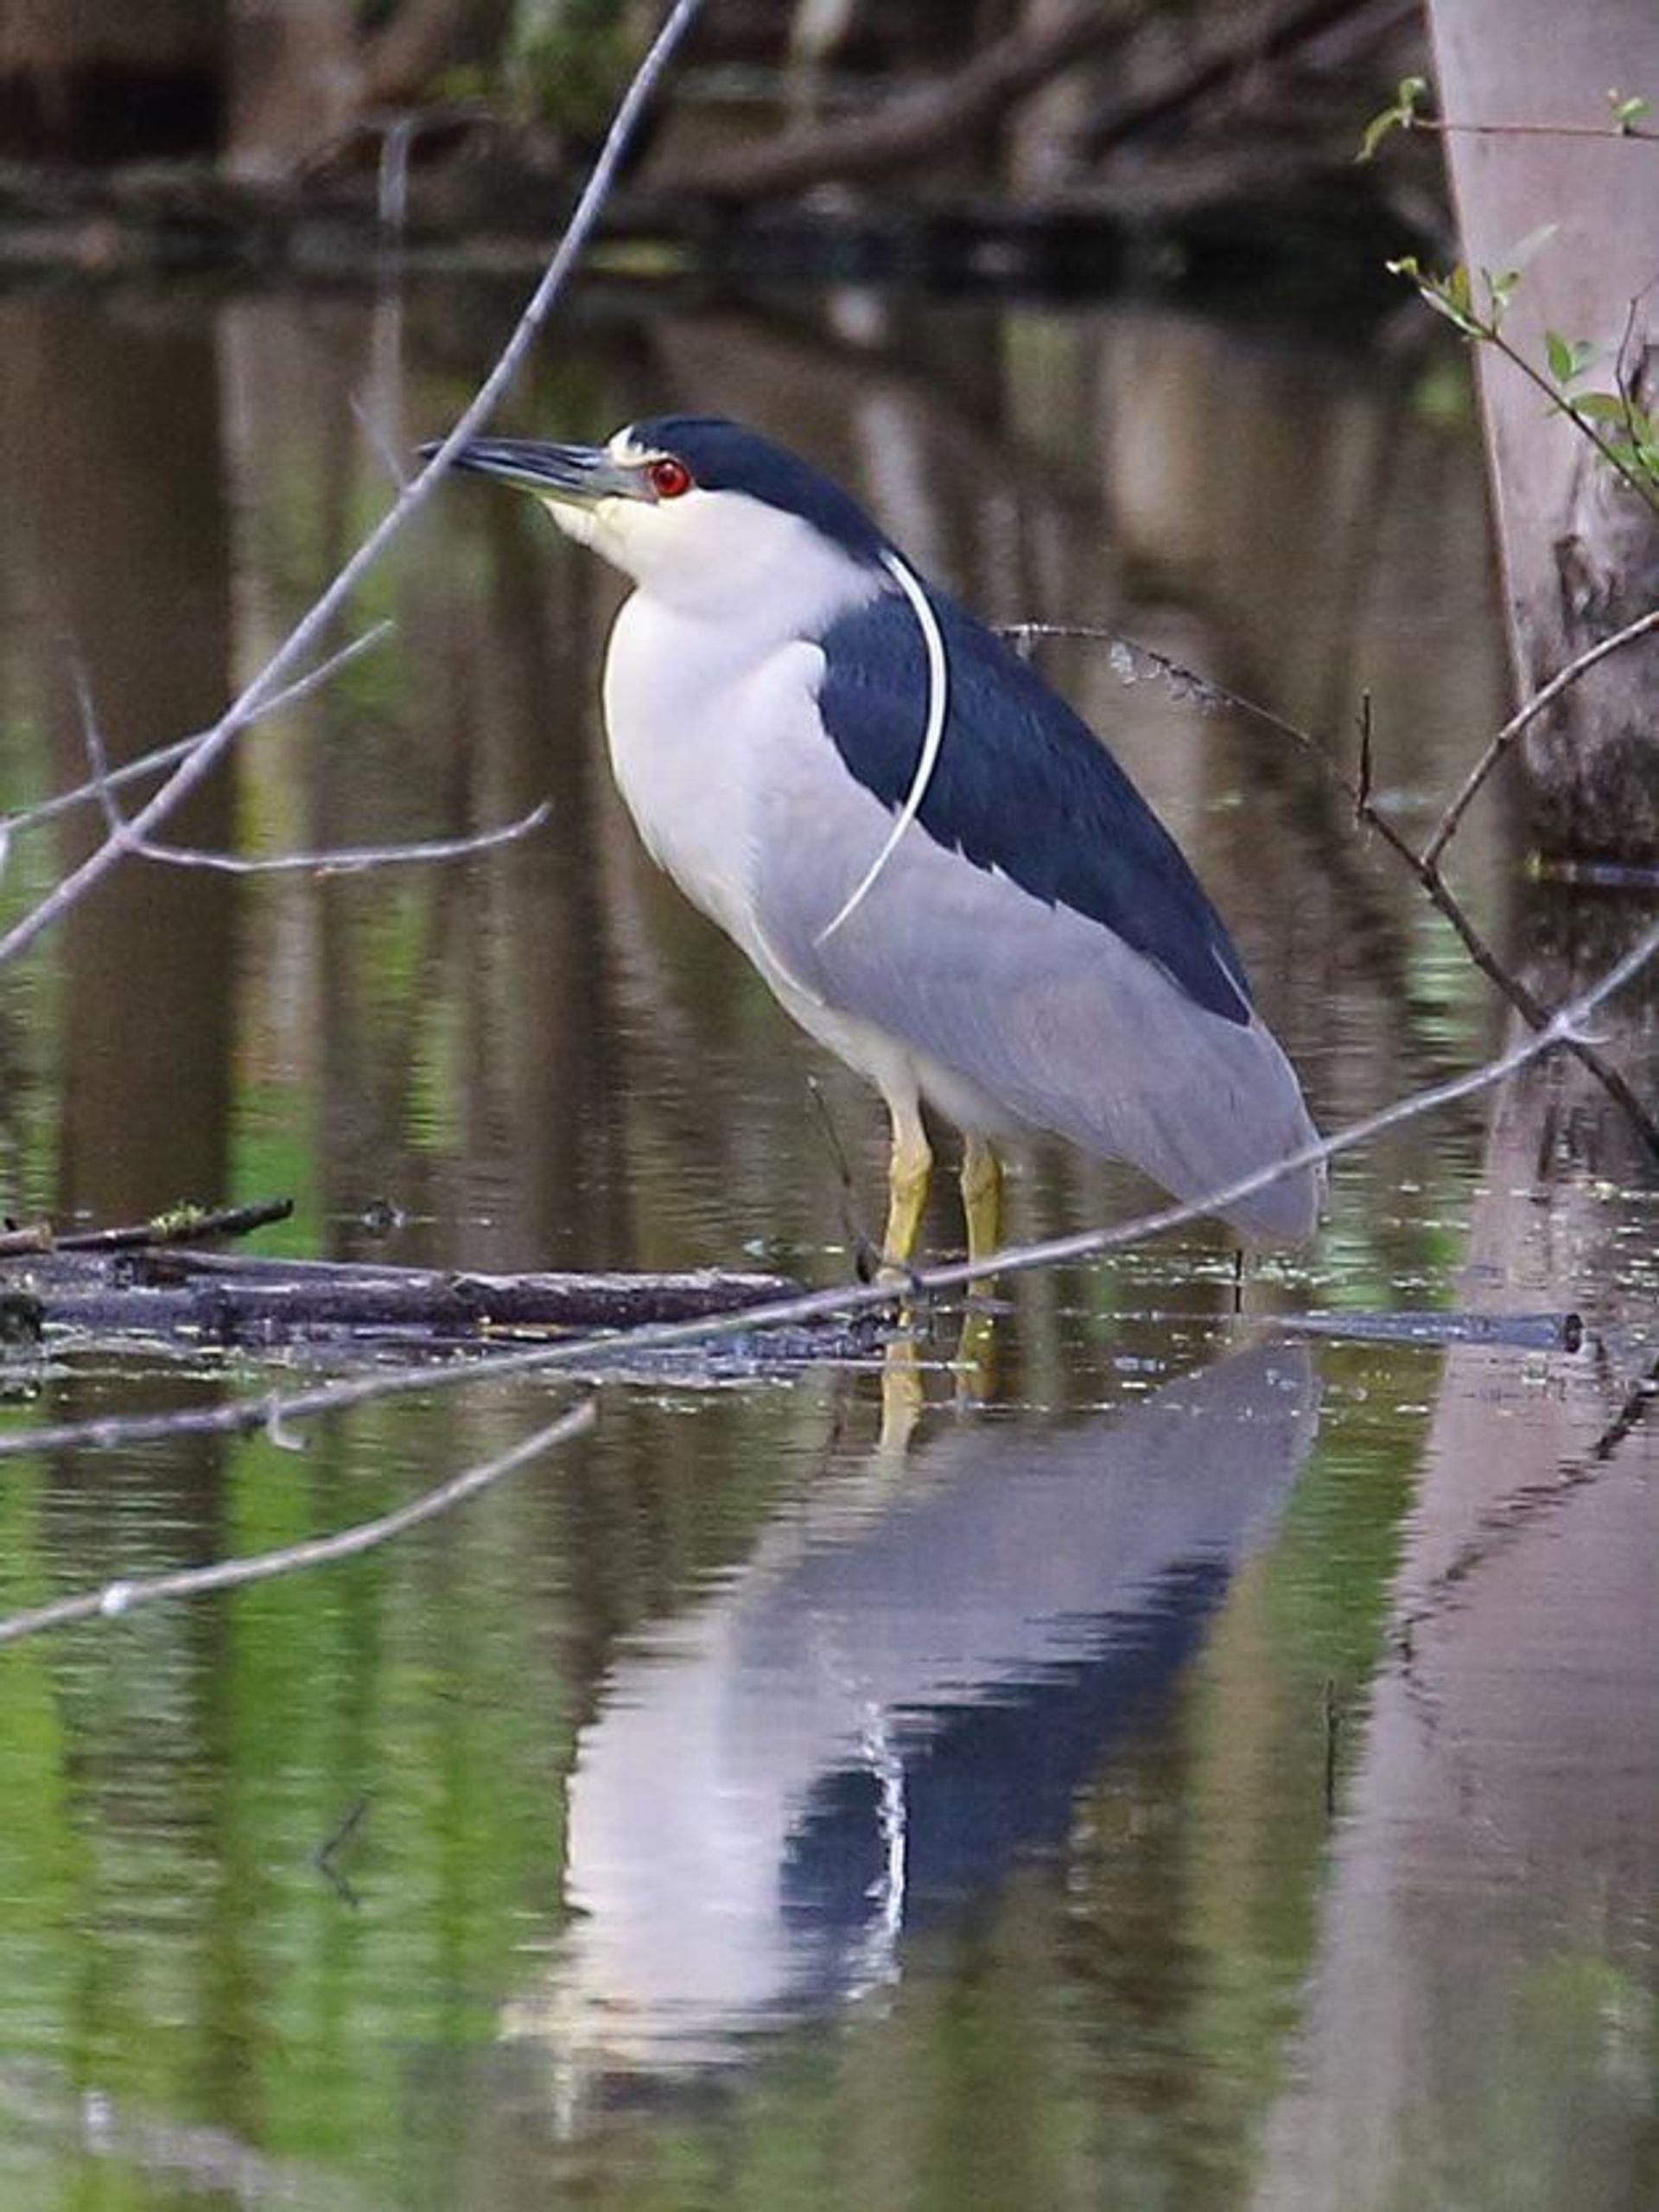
(757, 574)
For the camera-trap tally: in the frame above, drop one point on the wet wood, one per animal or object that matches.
(233, 1298)
(186, 1225)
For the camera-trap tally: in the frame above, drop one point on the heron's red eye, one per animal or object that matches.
(668, 478)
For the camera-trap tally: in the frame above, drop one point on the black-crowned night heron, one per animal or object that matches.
(937, 866)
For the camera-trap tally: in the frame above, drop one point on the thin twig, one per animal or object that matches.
(1530, 1009)
(325, 1858)
(1446, 828)
(117, 828)
(386, 451)
(1443, 130)
(184, 1225)
(590, 1352)
(1490, 333)
(1363, 809)
(348, 859)
(118, 1597)
(867, 1254)
(47, 810)
(391, 186)
(1133, 659)
(303, 639)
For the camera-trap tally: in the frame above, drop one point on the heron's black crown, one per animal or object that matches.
(725, 457)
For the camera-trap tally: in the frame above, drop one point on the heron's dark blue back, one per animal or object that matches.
(1021, 784)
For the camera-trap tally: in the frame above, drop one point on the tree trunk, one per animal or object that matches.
(1580, 552)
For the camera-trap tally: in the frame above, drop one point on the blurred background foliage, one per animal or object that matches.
(1181, 125)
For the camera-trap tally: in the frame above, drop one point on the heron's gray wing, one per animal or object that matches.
(1021, 786)
(1063, 1020)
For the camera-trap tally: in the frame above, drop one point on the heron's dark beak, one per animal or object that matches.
(577, 475)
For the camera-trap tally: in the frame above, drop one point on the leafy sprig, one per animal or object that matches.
(1476, 303)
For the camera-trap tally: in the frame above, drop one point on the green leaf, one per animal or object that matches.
(1628, 109)
(1602, 407)
(1560, 353)
(1399, 115)
(1443, 305)
(1451, 296)
(1375, 131)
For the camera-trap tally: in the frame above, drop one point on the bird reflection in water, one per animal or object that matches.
(899, 1698)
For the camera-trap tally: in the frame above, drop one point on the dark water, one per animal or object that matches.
(1216, 1769)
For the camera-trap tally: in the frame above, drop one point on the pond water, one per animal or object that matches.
(1207, 1765)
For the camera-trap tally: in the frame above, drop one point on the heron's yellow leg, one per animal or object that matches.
(982, 1199)
(981, 1203)
(908, 1172)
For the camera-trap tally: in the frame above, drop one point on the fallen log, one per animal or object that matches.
(228, 1299)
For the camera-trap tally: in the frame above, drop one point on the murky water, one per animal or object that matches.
(1217, 1769)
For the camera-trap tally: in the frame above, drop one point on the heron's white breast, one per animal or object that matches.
(716, 740)
(704, 709)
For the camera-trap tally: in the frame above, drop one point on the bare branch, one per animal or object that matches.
(1440, 129)
(390, 460)
(116, 1598)
(1489, 332)
(343, 860)
(148, 764)
(184, 1225)
(911, 124)
(1205, 58)
(1446, 828)
(1133, 659)
(349, 859)
(303, 639)
(116, 828)
(591, 1353)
